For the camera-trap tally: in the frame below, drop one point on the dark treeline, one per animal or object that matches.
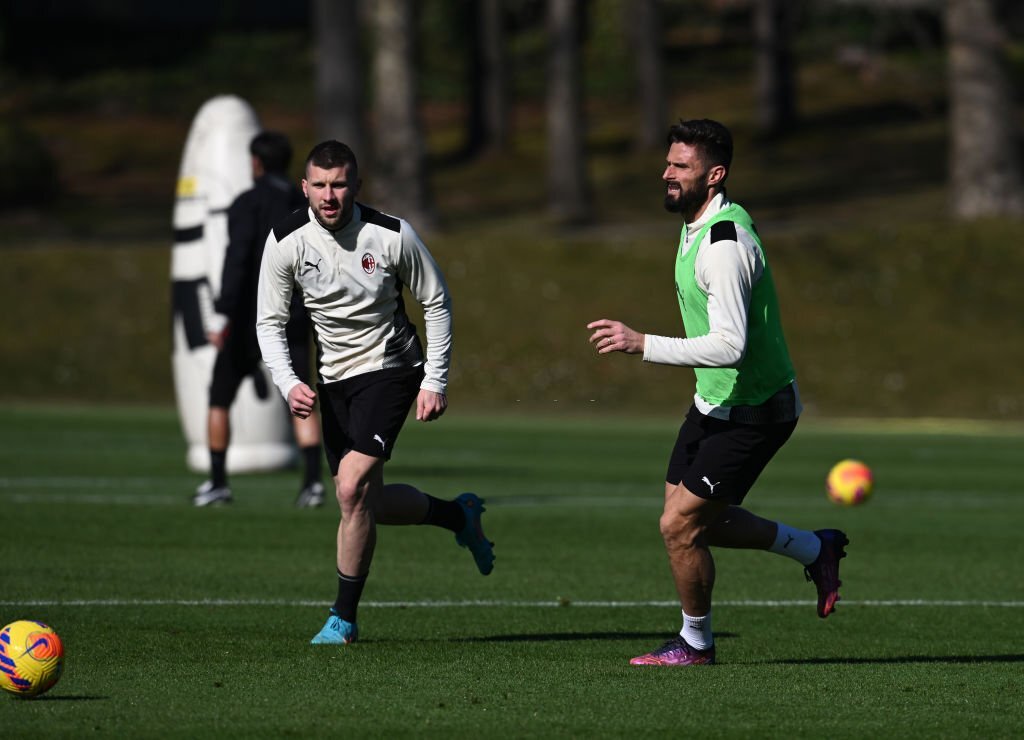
(367, 65)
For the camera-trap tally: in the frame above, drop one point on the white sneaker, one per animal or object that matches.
(311, 496)
(207, 495)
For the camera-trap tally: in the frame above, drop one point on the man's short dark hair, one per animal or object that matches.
(710, 137)
(273, 150)
(330, 154)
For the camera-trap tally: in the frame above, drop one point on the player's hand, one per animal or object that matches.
(430, 405)
(614, 336)
(300, 400)
(218, 338)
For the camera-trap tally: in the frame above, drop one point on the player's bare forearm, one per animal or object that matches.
(614, 336)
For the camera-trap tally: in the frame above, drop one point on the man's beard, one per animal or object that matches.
(340, 220)
(688, 202)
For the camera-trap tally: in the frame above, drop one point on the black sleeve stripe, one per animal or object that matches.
(192, 234)
(292, 222)
(375, 217)
(723, 231)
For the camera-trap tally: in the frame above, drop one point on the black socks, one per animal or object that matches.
(219, 468)
(446, 514)
(350, 590)
(311, 463)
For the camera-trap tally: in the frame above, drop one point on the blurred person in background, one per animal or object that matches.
(352, 263)
(250, 219)
(746, 403)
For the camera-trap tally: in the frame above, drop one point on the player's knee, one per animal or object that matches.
(351, 492)
(679, 530)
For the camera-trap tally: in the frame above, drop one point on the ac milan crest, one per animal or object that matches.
(369, 263)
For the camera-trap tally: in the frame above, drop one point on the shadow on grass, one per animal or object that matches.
(68, 697)
(578, 636)
(455, 471)
(963, 659)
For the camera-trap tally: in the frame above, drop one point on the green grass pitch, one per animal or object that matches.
(195, 623)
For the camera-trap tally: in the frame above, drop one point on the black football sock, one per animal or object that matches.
(219, 468)
(446, 514)
(311, 461)
(350, 590)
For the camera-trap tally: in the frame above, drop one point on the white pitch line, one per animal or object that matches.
(558, 603)
(140, 499)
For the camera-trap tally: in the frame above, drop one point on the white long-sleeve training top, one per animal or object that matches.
(351, 282)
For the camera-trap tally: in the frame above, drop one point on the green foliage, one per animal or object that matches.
(27, 171)
(180, 622)
(236, 62)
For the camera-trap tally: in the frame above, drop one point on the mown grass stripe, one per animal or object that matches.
(470, 603)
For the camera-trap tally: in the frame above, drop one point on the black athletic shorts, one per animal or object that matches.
(366, 412)
(240, 358)
(719, 460)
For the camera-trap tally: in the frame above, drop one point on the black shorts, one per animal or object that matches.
(240, 358)
(719, 460)
(366, 412)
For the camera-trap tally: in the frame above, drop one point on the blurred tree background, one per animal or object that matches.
(877, 146)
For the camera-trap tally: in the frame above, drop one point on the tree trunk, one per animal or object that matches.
(470, 16)
(338, 74)
(493, 76)
(985, 171)
(568, 189)
(487, 128)
(399, 180)
(773, 65)
(643, 24)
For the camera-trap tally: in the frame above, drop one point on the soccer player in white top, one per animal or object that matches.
(352, 264)
(746, 404)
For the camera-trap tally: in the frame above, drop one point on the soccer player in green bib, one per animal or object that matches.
(746, 403)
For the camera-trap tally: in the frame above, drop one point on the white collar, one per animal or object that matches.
(715, 205)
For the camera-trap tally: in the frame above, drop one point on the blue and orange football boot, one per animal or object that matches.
(336, 631)
(472, 534)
